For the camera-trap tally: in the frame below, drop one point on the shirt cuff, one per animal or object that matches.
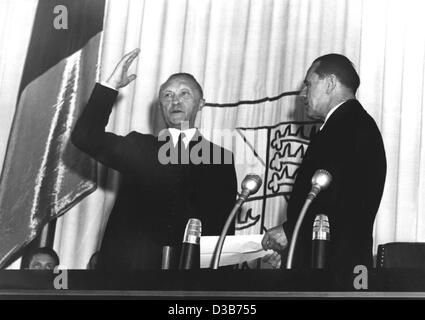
(106, 84)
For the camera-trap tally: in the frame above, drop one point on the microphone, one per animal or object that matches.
(320, 181)
(250, 185)
(190, 253)
(321, 238)
(167, 258)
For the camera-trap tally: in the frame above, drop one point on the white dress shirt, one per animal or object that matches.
(106, 84)
(188, 135)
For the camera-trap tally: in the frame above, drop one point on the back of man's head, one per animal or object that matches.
(341, 67)
(92, 264)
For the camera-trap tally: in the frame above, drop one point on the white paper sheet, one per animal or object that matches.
(236, 249)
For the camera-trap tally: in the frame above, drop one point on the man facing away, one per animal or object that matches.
(350, 147)
(157, 195)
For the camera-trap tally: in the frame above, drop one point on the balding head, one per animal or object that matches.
(180, 98)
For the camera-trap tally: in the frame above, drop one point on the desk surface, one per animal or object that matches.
(213, 283)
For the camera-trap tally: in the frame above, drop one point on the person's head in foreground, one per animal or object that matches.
(42, 259)
(92, 264)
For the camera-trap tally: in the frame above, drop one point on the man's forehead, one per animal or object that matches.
(179, 80)
(42, 256)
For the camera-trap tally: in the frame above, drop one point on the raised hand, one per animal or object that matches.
(119, 77)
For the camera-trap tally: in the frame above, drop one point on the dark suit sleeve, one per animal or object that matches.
(89, 132)
(333, 160)
(224, 201)
(229, 193)
(329, 156)
(223, 195)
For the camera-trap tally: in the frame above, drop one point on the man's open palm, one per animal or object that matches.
(119, 77)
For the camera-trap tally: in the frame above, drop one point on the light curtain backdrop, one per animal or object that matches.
(245, 50)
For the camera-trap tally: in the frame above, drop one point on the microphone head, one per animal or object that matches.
(193, 230)
(321, 179)
(321, 229)
(251, 184)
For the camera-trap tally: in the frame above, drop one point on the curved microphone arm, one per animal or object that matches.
(220, 243)
(250, 185)
(320, 181)
(296, 231)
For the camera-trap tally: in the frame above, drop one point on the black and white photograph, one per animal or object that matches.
(212, 149)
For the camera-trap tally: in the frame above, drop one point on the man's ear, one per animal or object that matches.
(159, 107)
(201, 104)
(331, 83)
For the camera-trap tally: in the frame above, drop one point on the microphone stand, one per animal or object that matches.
(320, 180)
(296, 231)
(250, 185)
(223, 234)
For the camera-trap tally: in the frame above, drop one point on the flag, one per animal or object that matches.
(43, 174)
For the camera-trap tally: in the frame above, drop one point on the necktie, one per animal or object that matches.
(180, 142)
(183, 151)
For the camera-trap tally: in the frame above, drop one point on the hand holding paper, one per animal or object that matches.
(236, 249)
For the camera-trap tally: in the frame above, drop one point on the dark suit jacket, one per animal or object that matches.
(350, 147)
(155, 200)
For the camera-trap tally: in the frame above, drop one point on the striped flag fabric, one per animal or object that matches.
(43, 174)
